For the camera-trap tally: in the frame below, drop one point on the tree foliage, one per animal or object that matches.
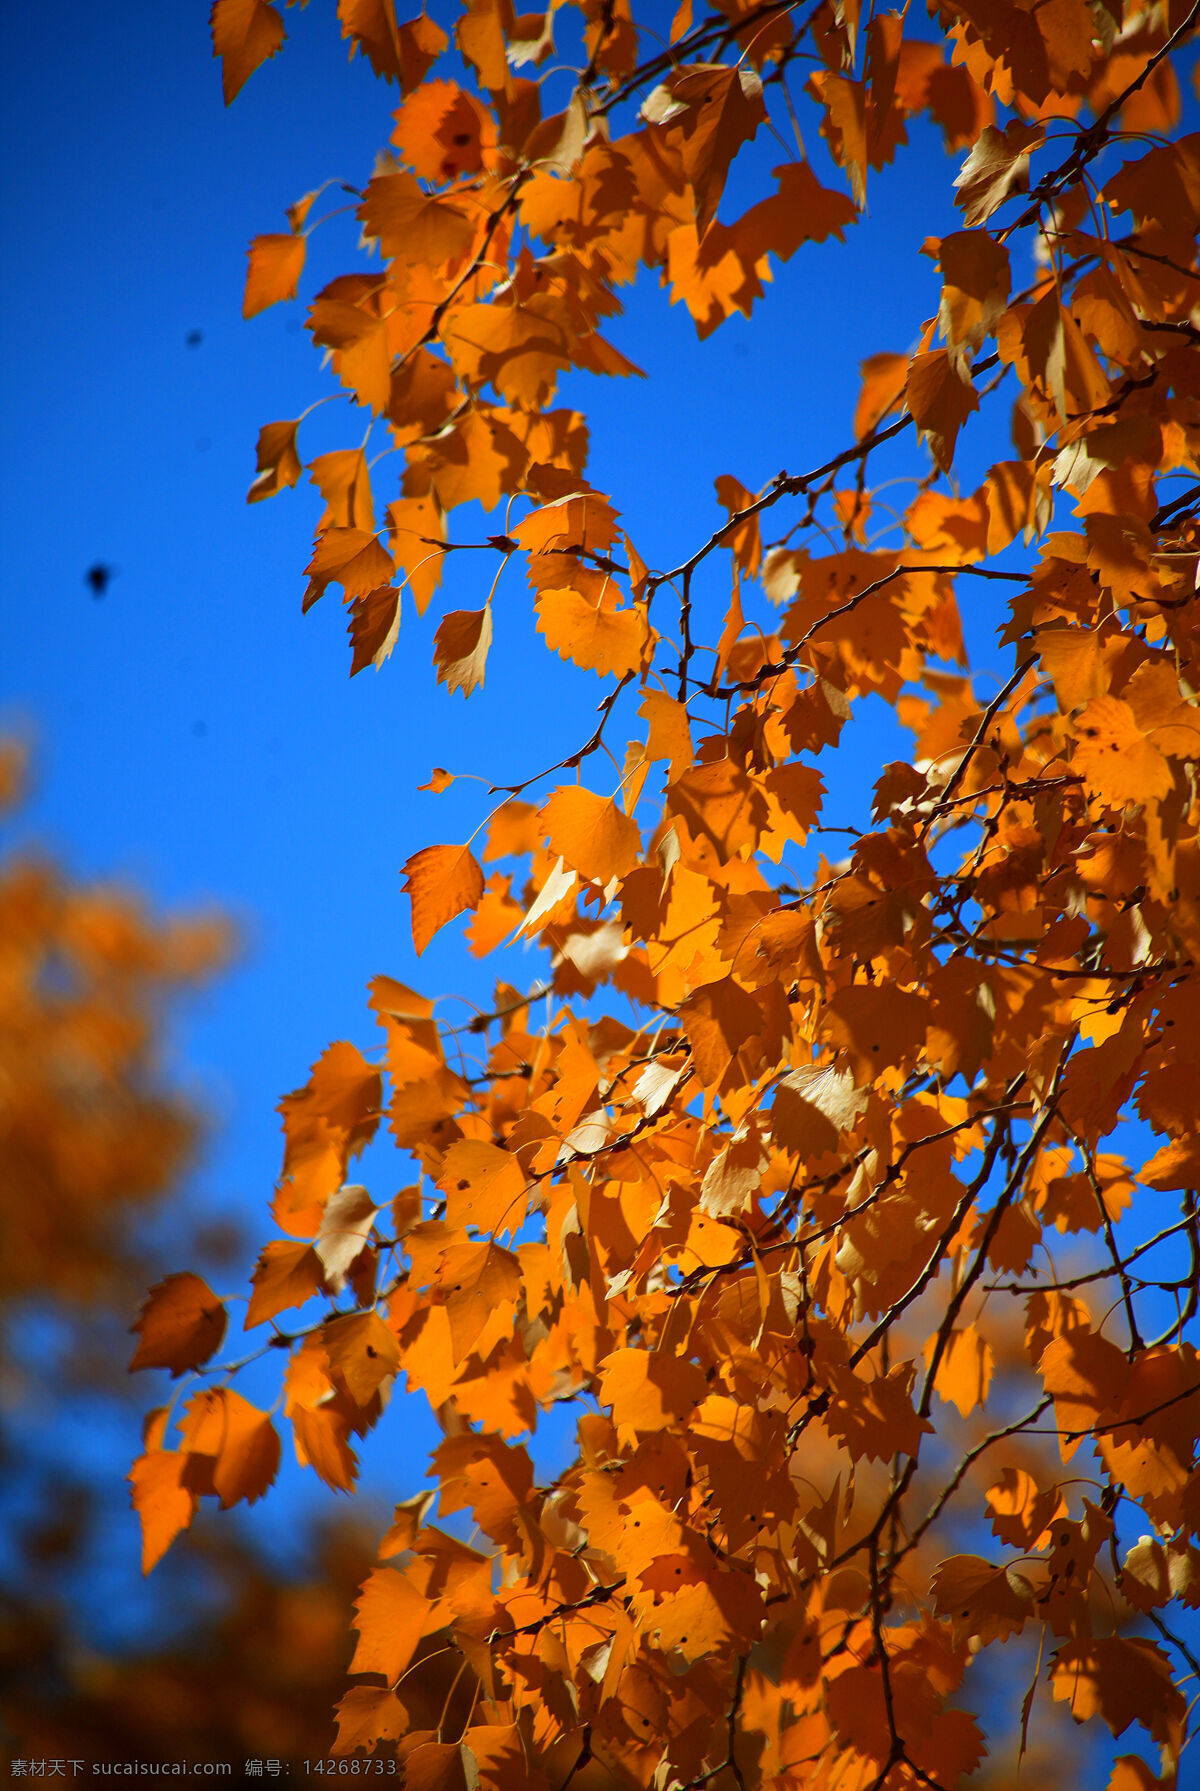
(862, 1231)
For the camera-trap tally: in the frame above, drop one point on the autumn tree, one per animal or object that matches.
(95, 1136)
(851, 1203)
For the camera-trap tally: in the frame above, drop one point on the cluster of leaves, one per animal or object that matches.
(786, 1234)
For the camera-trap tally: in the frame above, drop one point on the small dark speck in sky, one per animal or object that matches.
(194, 338)
(97, 578)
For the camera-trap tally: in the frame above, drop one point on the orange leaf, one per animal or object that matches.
(649, 1390)
(243, 1440)
(416, 528)
(941, 397)
(181, 1325)
(590, 833)
(481, 1283)
(744, 541)
(1021, 1511)
(352, 558)
(965, 1371)
(1118, 763)
(276, 263)
(442, 882)
(244, 33)
(1122, 1680)
(391, 1616)
(496, 917)
(875, 1417)
(443, 132)
(813, 1107)
(460, 648)
(975, 287)
(163, 1502)
(344, 482)
(719, 801)
(320, 1436)
(278, 462)
(287, 1274)
(374, 627)
(983, 1600)
(670, 734)
(484, 1187)
(709, 111)
(884, 377)
(401, 53)
(362, 1352)
(367, 1715)
(878, 1026)
(997, 166)
(439, 780)
(611, 642)
(412, 226)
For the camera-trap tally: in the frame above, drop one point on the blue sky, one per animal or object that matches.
(195, 735)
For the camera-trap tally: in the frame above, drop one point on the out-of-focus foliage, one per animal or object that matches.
(258, 1680)
(94, 1134)
(91, 1133)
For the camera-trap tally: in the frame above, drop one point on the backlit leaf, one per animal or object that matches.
(276, 263)
(442, 881)
(181, 1325)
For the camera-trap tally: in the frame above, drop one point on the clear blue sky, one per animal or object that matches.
(196, 736)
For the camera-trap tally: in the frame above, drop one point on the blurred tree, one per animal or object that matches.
(94, 1136)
